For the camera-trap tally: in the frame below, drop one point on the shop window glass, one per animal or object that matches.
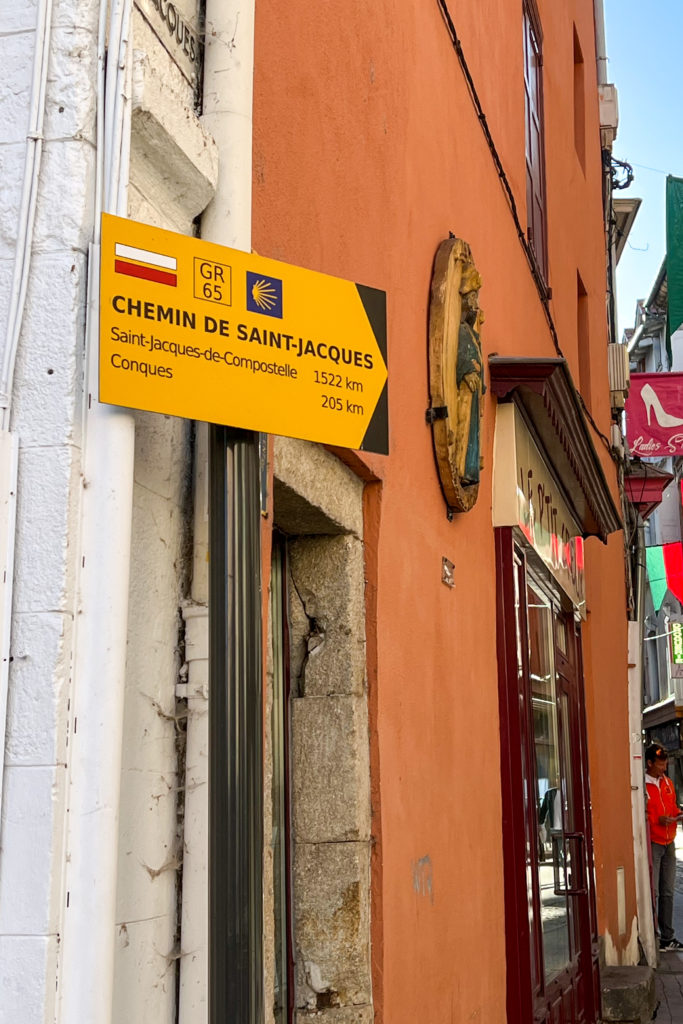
(550, 791)
(529, 788)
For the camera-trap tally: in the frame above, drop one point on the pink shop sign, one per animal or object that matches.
(654, 415)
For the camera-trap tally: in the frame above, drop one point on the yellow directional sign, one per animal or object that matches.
(198, 330)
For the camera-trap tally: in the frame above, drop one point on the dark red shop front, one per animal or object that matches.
(543, 509)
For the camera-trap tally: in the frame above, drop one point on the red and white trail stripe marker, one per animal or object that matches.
(142, 263)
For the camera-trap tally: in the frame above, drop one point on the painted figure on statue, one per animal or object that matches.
(469, 379)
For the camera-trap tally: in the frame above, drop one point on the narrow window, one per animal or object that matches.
(579, 103)
(583, 340)
(533, 110)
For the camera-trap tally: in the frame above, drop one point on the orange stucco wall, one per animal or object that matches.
(367, 151)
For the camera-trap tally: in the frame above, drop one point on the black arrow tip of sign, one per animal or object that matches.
(376, 437)
(375, 306)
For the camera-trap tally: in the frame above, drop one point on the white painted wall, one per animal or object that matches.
(667, 517)
(46, 415)
(173, 168)
(173, 171)
(638, 797)
(149, 846)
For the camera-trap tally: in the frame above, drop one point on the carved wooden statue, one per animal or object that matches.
(456, 373)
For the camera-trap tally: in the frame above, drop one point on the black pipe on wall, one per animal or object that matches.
(235, 729)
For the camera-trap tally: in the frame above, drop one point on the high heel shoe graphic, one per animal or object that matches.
(651, 400)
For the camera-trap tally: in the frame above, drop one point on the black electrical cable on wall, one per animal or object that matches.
(509, 195)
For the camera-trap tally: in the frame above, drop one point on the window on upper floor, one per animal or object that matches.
(533, 112)
(579, 102)
(583, 339)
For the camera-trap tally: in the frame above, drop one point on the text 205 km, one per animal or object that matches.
(338, 405)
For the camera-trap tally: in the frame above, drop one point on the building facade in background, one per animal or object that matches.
(648, 344)
(413, 665)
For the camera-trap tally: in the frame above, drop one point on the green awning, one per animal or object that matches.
(674, 257)
(656, 575)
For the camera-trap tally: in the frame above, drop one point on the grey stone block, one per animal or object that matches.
(328, 578)
(628, 994)
(313, 491)
(344, 1015)
(332, 925)
(331, 769)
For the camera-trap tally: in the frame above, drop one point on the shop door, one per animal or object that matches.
(552, 972)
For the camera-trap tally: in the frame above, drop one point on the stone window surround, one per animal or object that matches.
(318, 503)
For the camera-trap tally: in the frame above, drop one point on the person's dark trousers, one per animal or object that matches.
(663, 878)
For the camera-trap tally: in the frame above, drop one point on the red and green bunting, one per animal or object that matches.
(665, 572)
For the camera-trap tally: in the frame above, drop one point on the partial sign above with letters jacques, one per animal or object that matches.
(177, 34)
(198, 330)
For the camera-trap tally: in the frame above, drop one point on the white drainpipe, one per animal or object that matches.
(193, 1002)
(86, 975)
(227, 106)
(600, 44)
(228, 91)
(193, 990)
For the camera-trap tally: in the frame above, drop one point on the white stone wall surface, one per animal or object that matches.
(172, 178)
(173, 172)
(150, 848)
(46, 415)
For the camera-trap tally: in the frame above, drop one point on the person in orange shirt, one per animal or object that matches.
(663, 814)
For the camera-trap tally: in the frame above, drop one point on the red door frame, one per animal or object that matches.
(513, 770)
(526, 1000)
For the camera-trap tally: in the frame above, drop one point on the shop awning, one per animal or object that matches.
(644, 485)
(665, 571)
(544, 392)
(625, 209)
(674, 257)
(659, 713)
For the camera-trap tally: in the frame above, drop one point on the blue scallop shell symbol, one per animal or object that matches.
(264, 294)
